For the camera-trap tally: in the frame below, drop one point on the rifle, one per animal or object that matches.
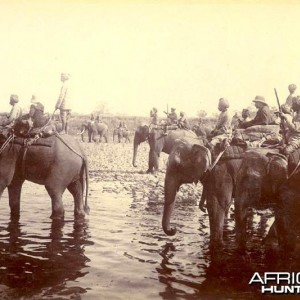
(281, 123)
(167, 112)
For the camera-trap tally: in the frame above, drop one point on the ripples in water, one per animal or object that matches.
(121, 252)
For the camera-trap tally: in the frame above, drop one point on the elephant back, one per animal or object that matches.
(231, 152)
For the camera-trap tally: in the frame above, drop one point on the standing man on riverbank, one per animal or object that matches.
(63, 102)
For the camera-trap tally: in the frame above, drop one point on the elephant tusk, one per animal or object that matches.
(82, 131)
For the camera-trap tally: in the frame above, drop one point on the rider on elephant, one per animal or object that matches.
(289, 100)
(183, 123)
(63, 102)
(223, 126)
(172, 117)
(292, 127)
(263, 115)
(15, 113)
(153, 116)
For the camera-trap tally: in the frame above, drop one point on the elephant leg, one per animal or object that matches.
(153, 162)
(240, 213)
(76, 189)
(55, 194)
(14, 195)
(90, 133)
(216, 215)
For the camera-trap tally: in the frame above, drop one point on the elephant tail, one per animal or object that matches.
(86, 183)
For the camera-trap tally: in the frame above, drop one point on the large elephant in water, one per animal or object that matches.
(94, 129)
(269, 180)
(57, 162)
(188, 162)
(218, 185)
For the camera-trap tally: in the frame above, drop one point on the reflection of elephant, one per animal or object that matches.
(121, 133)
(141, 135)
(56, 258)
(187, 163)
(57, 162)
(262, 181)
(159, 142)
(95, 129)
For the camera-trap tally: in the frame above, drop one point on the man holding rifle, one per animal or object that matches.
(291, 128)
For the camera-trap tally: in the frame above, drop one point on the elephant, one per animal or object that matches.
(188, 162)
(57, 162)
(218, 185)
(122, 133)
(265, 180)
(160, 141)
(94, 128)
(141, 135)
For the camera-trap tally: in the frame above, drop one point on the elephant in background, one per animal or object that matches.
(121, 133)
(159, 142)
(57, 162)
(187, 163)
(94, 129)
(263, 182)
(141, 135)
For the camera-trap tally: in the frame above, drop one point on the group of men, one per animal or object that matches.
(172, 118)
(289, 114)
(36, 117)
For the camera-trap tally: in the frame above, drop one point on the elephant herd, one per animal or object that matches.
(254, 177)
(99, 131)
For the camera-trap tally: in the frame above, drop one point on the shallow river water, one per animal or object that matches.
(120, 250)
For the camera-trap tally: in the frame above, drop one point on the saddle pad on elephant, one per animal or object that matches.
(231, 152)
(47, 142)
(293, 161)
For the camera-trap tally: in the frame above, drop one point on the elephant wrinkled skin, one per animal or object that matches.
(187, 163)
(262, 181)
(56, 162)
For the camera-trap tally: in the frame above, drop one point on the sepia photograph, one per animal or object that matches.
(149, 149)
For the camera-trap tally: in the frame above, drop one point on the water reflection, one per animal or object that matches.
(33, 263)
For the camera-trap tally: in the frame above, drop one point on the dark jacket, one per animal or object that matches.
(263, 117)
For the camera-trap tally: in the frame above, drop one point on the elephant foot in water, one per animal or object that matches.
(57, 215)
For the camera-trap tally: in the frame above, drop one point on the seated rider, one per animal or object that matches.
(15, 113)
(153, 116)
(183, 122)
(292, 127)
(172, 117)
(223, 126)
(263, 115)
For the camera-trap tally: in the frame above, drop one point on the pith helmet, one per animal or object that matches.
(260, 99)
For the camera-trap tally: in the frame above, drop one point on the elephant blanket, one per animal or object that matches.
(231, 152)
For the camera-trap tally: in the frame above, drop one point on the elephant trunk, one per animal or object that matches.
(135, 147)
(171, 187)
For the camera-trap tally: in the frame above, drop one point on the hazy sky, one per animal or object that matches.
(133, 55)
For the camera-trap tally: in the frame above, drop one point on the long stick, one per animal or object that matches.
(281, 122)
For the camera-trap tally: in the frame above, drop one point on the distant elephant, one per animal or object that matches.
(187, 163)
(121, 133)
(262, 181)
(57, 162)
(159, 141)
(94, 129)
(141, 135)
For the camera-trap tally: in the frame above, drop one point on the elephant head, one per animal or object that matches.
(141, 135)
(187, 163)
